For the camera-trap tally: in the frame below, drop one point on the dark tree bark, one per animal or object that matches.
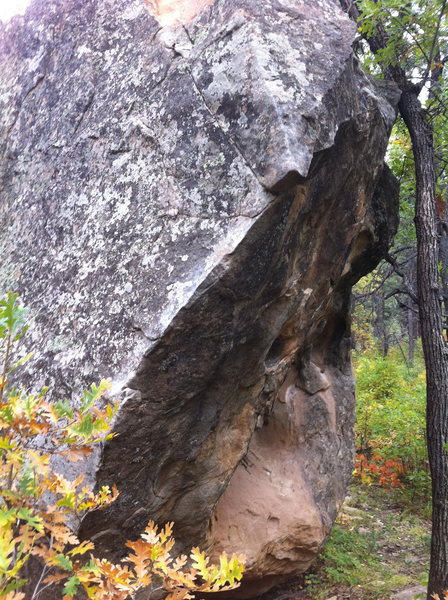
(412, 319)
(412, 336)
(379, 324)
(443, 267)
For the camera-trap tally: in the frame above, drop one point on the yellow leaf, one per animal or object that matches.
(82, 548)
(200, 563)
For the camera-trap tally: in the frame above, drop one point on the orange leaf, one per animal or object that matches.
(77, 453)
(56, 577)
(141, 558)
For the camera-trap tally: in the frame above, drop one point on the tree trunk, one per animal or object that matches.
(434, 347)
(411, 335)
(379, 323)
(443, 267)
(412, 320)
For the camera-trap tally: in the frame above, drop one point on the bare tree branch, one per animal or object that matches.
(409, 290)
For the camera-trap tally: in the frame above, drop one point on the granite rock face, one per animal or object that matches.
(189, 191)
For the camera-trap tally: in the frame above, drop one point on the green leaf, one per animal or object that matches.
(64, 562)
(68, 501)
(15, 585)
(33, 521)
(7, 516)
(85, 428)
(71, 587)
(90, 396)
(64, 409)
(12, 317)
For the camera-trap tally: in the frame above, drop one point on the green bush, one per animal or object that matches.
(390, 429)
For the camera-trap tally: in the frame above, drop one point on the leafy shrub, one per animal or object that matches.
(37, 503)
(390, 429)
(386, 473)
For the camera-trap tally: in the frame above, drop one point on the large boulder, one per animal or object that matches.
(189, 191)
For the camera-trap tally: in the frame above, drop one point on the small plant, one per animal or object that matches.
(347, 555)
(37, 503)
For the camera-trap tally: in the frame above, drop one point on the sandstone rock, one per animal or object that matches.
(186, 203)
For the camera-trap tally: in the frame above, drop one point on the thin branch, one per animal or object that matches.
(45, 570)
(402, 304)
(393, 262)
(37, 592)
(394, 292)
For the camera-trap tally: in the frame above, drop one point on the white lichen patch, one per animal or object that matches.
(135, 10)
(83, 50)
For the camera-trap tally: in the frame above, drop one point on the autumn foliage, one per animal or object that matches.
(39, 507)
(386, 473)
